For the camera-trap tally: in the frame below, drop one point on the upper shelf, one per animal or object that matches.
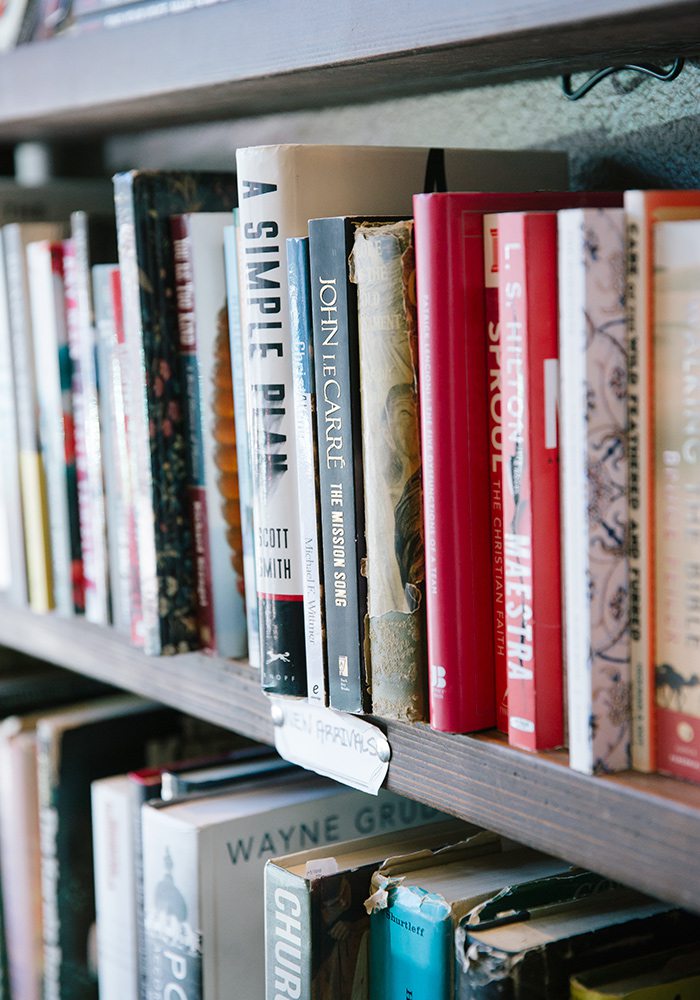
(245, 57)
(643, 830)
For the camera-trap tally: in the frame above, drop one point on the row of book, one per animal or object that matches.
(219, 871)
(340, 437)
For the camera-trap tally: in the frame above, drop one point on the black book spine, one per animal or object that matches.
(341, 498)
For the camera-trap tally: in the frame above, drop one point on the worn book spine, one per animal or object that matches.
(212, 454)
(341, 487)
(677, 544)
(307, 469)
(37, 540)
(527, 300)
(595, 510)
(382, 265)
(53, 377)
(13, 566)
(97, 607)
(242, 426)
(144, 203)
(114, 454)
(289, 941)
(493, 340)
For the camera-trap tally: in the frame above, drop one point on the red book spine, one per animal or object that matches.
(493, 343)
(454, 434)
(527, 263)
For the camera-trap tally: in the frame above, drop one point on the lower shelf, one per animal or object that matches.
(643, 830)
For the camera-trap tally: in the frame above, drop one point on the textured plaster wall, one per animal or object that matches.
(627, 132)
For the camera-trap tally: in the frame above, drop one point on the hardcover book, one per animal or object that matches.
(157, 431)
(341, 485)
(56, 434)
(115, 464)
(415, 906)
(527, 302)
(325, 889)
(677, 543)
(205, 359)
(37, 543)
(242, 425)
(92, 242)
(204, 858)
(593, 421)
(521, 946)
(13, 566)
(281, 188)
(643, 209)
(382, 265)
(299, 278)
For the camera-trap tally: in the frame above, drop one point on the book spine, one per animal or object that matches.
(191, 376)
(527, 299)
(289, 940)
(676, 326)
(97, 594)
(80, 422)
(307, 470)
(382, 264)
(593, 371)
(115, 891)
(242, 426)
(341, 489)
(266, 220)
(493, 340)
(123, 402)
(20, 857)
(454, 434)
(172, 914)
(14, 567)
(114, 460)
(50, 871)
(641, 478)
(411, 947)
(139, 426)
(31, 468)
(45, 278)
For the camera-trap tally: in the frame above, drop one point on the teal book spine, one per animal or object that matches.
(411, 947)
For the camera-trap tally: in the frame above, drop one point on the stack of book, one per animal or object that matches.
(425, 458)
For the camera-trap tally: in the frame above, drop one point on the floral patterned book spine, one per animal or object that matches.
(527, 302)
(383, 266)
(677, 507)
(144, 203)
(593, 414)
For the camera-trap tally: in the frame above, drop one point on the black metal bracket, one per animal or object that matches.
(658, 72)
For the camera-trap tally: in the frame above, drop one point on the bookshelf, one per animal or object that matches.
(316, 54)
(601, 823)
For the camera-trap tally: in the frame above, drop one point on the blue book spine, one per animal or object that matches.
(411, 947)
(307, 467)
(241, 423)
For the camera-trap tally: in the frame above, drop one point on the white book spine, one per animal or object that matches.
(115, 890)
(593, 367)
(20, 859)
(13, 569)
(50, 339)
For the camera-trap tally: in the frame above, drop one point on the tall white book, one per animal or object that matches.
(203, 875)
(280, 188)
(593, 419)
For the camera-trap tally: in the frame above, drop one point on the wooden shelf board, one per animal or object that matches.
(643, 830)
(242, 57)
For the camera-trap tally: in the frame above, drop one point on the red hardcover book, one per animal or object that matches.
(455, 442)
(528, 307)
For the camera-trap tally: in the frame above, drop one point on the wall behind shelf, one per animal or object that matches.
(629, 131)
